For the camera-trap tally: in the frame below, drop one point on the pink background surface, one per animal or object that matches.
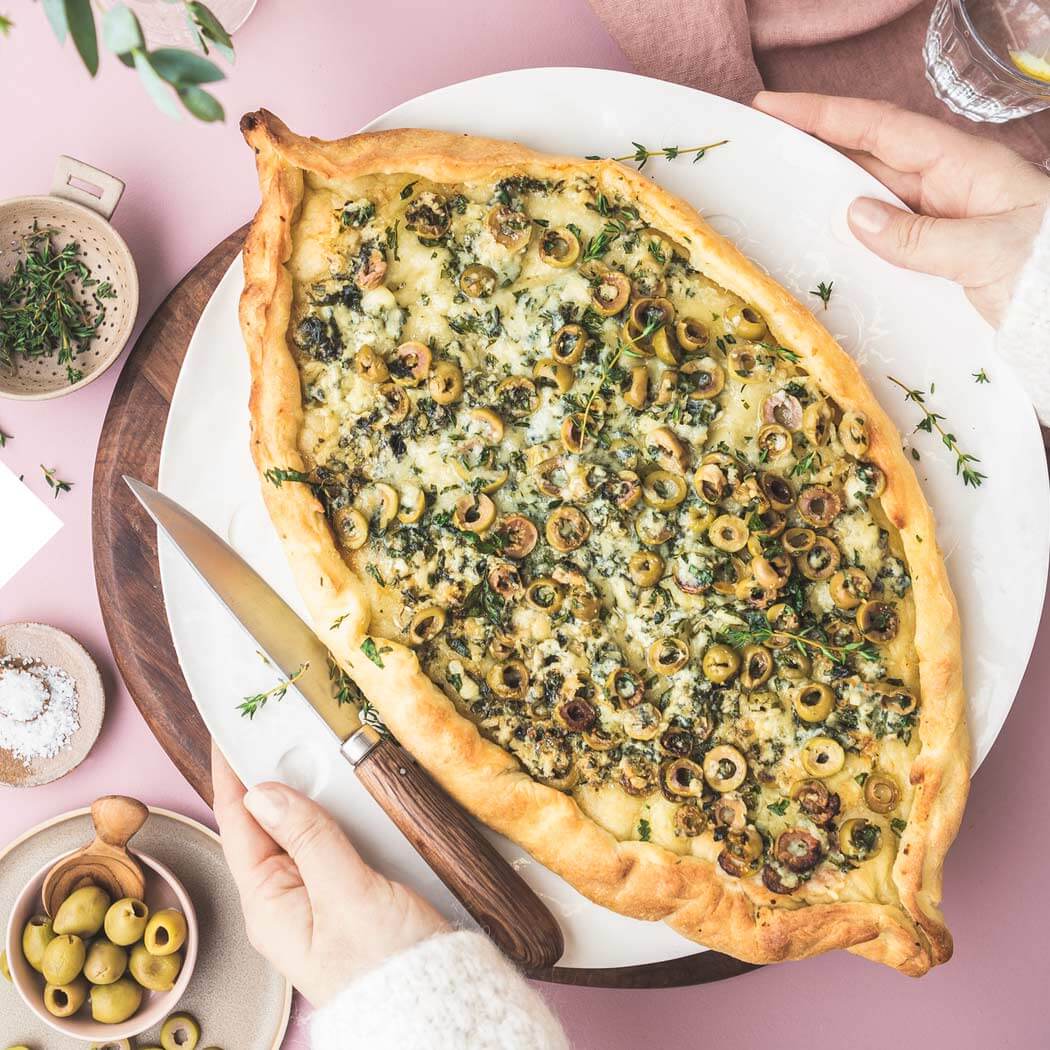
(327, 67)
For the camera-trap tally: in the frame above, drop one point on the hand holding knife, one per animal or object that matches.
(439, 830)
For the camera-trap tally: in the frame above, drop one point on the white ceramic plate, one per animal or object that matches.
(782, 196)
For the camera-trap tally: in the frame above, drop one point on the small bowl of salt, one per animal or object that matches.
(51, 704)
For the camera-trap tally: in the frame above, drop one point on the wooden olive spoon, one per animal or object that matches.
(105, 863)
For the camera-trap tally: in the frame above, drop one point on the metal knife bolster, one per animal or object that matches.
(357, 747)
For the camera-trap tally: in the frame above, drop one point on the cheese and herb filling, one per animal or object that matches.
(622, 527)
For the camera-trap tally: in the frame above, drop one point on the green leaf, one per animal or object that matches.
(81, 21)
(202, 105)
(184, 67)
(5, 24)
(211, 28)
(56, 15)
(122, 33)
(156, 87)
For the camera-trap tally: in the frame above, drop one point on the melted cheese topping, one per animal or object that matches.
(657, 573)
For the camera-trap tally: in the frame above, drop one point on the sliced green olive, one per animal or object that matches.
(774, 441)
(771, 573)
(413, 504)
(882, 792)
(504, 579)
(389, 504)
(724, 768)
(427, 624)
(568, 344)
(559, 247)
(853, 433)
(664, 490)
(625, 490)
(577, 432)
(816, 422)
(899, 700)
(180, 1032)
(642, 722)
(645, 568)
(822, 757)
(429, 214)
(682, 778)
(508, 680)
(818, 505)
(728, 533)
(756, 666)
(544, 594)
(667, 387)
(746, 322)
(351, 527)
(649, 315)
(813, 702)
(577, 715)
(479, 282)
(692, 334)
(710, 482)
(793, 664)
(517, 396)
(820, 561)
(860, 839)
(667, 450)
(667, 655)
(511, 228)
(567, 528)
(637, 392)
(474, 512)
(653, 528)
(849, 587)
(689, 821)
(625, 687)
(446, 382)
(369, 364)
(777, 490)
(411, 363)
(720, 663)
(704, 379)
(610, 293)
(798, 541)
(487, 425)
(547, 372)
(878, 621)
(396, 402)
(519, 536)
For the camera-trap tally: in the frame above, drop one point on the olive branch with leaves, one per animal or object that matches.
(170, 75)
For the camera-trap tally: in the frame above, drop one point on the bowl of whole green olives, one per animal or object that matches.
(104, 970)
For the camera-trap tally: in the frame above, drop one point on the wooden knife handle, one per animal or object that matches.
(459, 854)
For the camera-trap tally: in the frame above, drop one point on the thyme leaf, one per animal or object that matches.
(823, 292)
(55, 483)
(251, 705)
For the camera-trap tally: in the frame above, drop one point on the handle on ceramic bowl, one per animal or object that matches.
(81, 183)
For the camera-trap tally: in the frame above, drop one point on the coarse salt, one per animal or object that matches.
(38, 709)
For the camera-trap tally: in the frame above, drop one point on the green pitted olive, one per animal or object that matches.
(82, 912)
(165, 932)
(63, 959)
(180, 1032)
(105, 962)
(115, 1003)
(116, 1044)
(5, 969)
(63, 1000)
(37, 935)
(157, 973)
(126, 921)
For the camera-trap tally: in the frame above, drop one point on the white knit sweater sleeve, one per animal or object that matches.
(452, 992)
(1024, 336)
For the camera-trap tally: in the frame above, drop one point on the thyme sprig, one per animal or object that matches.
(55, 483)
(346, 691)
(930, 422)
(4, 438)
(980, 377)
(251, 705)
(642, 153)
(738, 637)
(823, 292)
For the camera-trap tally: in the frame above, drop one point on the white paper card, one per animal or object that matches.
(26, 524)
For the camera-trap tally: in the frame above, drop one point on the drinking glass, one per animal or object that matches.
(972, 50)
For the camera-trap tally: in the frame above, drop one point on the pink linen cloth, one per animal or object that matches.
(734, 48)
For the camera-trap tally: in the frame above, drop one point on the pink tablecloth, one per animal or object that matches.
(329, 66)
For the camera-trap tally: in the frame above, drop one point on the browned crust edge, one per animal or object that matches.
(633, 878)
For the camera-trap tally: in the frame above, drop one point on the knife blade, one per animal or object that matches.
(441, 832)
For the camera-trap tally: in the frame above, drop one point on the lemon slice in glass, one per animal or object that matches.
(1034, 65)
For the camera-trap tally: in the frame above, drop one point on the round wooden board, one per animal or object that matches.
(127, 575)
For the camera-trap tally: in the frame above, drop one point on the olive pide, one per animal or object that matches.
(613, 535)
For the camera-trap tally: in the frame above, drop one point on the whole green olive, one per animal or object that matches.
(116, 1002)
(63, 959)
(165, 932)
(157, 973)
(63, 1000)
(126, 921)
(36, 936)
(180, 1032)
(82, 912)
(105, 963)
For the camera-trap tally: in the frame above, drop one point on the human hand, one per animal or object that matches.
(312, 907)
(979, 204)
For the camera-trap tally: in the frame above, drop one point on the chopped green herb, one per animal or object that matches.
(980, 377)
(644, 830)
(406, 192)
(823, 292)
(898, 825)
(780, 808)
(368, 647)
(276, 476)
(56, 484)
(4, 439)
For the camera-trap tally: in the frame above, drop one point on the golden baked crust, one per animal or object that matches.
(895, 919)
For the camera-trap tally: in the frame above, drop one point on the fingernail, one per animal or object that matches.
(267, 805)
(869, 216)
